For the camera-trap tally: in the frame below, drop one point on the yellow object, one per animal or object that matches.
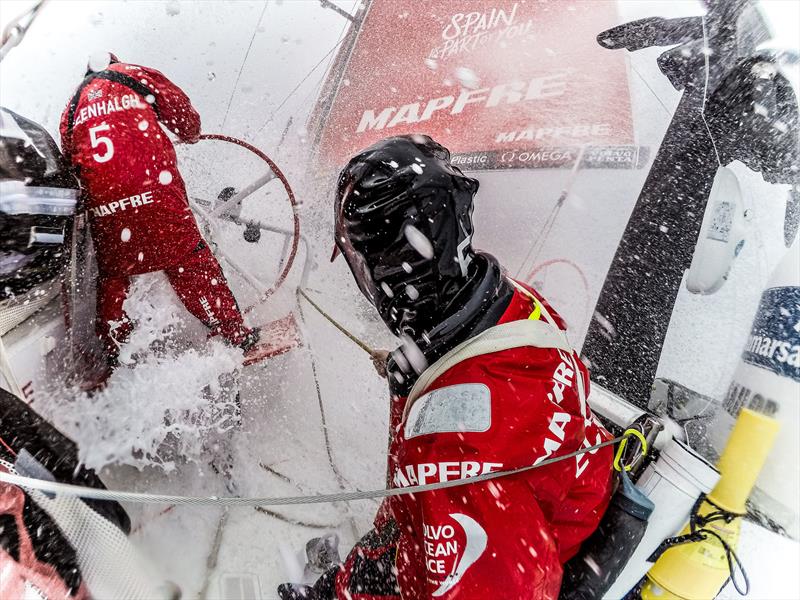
(697, 570)
(629, 432)
(537, 310)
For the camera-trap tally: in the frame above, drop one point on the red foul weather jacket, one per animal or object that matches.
(139, 212)
(508, 537)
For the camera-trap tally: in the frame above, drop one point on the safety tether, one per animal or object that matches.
(54, 487)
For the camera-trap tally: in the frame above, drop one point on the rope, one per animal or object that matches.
(54, 487)
(706, 51)
(241, 68)
(340, 479)
(338, 325)
(550, 221)
(302, 81)
(699, 533)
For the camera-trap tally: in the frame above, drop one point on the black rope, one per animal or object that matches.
(699, 533)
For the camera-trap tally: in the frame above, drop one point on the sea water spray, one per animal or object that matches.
(170, 394)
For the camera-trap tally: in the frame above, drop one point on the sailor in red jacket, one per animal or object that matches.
(138, 209)
(484, 381)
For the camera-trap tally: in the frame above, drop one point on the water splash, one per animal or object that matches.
(172, 396)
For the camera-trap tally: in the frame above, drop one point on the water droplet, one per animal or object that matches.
(467, 78)
(419, 241)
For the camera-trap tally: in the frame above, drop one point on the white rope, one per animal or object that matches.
(706, 51)
(542, 237)
(54, 487)
(241, 68)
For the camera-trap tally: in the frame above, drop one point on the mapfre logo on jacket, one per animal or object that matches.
(497, 411)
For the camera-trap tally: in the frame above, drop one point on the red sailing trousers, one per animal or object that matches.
(201, 286)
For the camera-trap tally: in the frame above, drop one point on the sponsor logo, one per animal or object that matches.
(543, 158)
(100, 109)
(564, 379)
(423, 473)
(554, 157)
(582, 460)
(466, 32)
(774, 342)
(122, 205)
(781, 351)
(479, 158)
(446, 557)
(212, 320)
(543, 133)
(538, 88)
(740, 396)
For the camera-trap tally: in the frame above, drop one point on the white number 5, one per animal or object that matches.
(97, 140)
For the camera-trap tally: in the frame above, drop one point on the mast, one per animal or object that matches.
(711, 64)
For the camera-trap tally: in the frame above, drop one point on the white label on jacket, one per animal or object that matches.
(456, 408)
(425, 473)
(104, 108)
(123, 204)
(445, 560)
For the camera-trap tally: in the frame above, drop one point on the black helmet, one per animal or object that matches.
(38, 196)
(403, 217)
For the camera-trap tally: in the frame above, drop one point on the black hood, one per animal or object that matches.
(403, 220)
(479, 305)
